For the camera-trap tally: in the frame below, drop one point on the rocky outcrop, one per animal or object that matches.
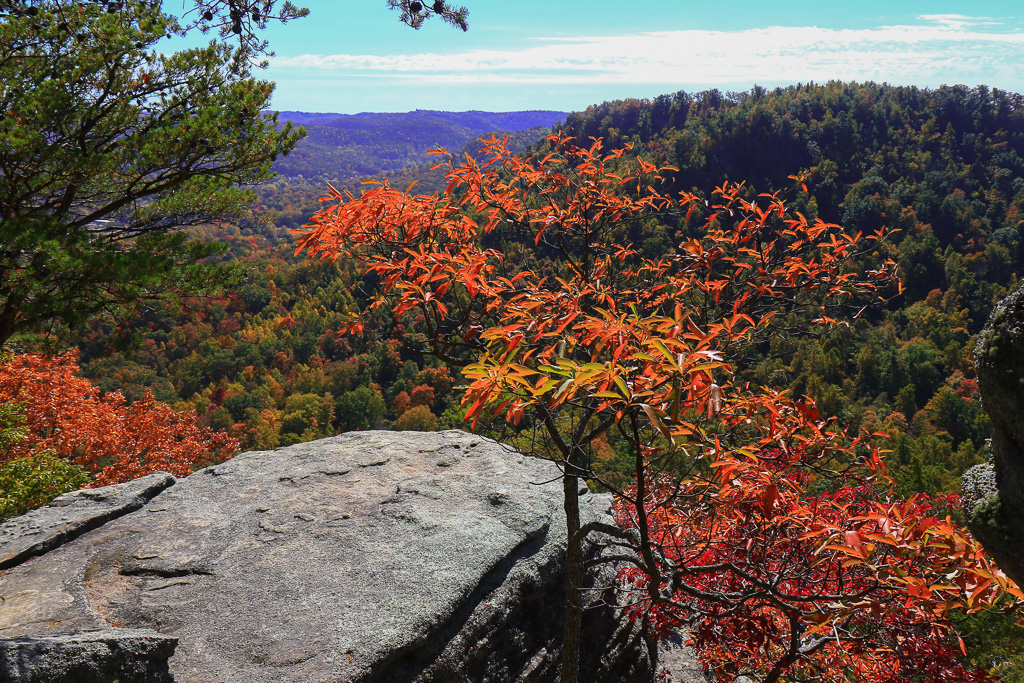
(993, 493)
(375, 556)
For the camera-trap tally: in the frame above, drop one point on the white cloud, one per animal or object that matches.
(958, 21)
(941, 48)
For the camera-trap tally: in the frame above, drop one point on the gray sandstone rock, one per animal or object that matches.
(71, 515)
(122, 655)
(373, 556)
(993, 493)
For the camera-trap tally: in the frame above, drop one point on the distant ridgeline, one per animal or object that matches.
(340, 146)
(868, 151)
(344, 149)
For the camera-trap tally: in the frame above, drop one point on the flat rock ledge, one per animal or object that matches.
(366, 557)
(993, 492)
(73, 514)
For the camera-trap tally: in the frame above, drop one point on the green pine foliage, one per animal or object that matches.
(107, 148)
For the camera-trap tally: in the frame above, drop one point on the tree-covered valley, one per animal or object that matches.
(942, 168)
(268, 364)
(339, 147)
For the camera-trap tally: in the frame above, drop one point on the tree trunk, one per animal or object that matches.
(573, 578)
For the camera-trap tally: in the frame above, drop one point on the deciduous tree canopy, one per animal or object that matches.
(66, 416)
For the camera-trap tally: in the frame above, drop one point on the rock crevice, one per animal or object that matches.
(73, 514)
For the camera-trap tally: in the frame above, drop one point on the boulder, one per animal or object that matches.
(373, 556)
(993, 492)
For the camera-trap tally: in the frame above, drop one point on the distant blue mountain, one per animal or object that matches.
(483, 121)
(341, 146)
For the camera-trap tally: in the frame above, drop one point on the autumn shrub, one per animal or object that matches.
(29, 482)
(772, 574)
(113, 440)
(33, 481)
(417, 419)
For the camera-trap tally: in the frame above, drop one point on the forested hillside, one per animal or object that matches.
(943, 168)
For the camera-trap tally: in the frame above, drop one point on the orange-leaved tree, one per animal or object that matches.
(116, 442)
(522, 273)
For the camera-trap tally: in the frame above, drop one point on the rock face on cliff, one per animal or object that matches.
(375, 556)
(994, 491)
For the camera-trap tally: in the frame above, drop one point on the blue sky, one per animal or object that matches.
(353, 55)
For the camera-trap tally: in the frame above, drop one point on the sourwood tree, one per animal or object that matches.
(108, 148)
(521, 274)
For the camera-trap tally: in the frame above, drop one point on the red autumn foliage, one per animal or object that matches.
(968, 389)
(217, 396)
(767, 531)
(114, 441)
(439, 378)
(772, 579)
(401, 403)
(423, 395)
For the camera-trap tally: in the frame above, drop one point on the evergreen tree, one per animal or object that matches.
(107, 148)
